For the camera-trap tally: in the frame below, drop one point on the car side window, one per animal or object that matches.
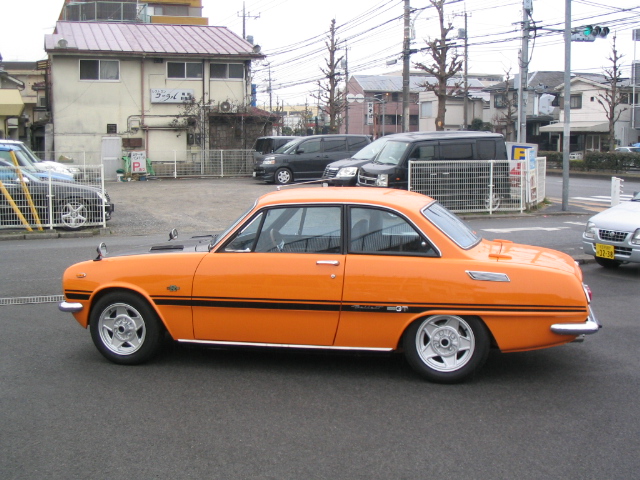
(301, 230)
(486, 149)
(456, 151)
(310, 146)
(423, 152)
(337, 144)
(356, 143)
(377, 231)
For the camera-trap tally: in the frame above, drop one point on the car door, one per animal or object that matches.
(334, 148)
(390, 267)
(278, 281)
(306, 158)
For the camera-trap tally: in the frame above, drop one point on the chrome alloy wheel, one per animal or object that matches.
(73, 214)
(445, 343)
(122, 329)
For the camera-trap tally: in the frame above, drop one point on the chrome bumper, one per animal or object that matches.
(70, 307)
(590, 326)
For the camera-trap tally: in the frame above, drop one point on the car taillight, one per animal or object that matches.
(587, 292)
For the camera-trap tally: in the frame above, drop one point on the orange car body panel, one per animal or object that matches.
(366, 301)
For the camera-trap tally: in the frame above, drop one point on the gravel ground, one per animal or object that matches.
(194, 205)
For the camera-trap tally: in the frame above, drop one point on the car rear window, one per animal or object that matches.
(451, 225)
(356, 143)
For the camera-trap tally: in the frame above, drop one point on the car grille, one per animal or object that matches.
(330, 172)
(612, 235)
(363, 180)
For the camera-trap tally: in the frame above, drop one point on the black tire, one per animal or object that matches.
(73, 213)
(125, 329)
(608, 263)
(283, 176)
(446, 348)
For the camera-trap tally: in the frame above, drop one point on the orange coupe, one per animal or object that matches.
(337, 269)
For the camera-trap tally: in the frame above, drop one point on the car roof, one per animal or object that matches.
(443, 135)
(390, 197)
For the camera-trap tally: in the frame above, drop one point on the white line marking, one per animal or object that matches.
(524, 229)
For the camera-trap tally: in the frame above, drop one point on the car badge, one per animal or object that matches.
(173, 288)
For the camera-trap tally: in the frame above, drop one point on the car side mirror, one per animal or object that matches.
(300, 150)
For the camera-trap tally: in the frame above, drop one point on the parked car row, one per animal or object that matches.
(386, 162)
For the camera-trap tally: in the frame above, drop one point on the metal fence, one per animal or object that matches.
(44, 200)
(480, 186)
(215, 163)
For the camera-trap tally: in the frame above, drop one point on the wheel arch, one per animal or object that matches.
(424, 315)
(143, 296)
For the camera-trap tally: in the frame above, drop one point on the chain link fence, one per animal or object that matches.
(480, 186)
(45, 200)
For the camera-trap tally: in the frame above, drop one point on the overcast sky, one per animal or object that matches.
(292, 35)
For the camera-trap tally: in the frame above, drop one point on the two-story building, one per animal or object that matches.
(152, 87)
(376, 104)
(588, 123)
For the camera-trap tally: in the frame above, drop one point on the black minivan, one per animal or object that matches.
(450, 183)
(305, 158)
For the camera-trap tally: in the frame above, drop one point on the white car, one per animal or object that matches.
(613, 236)
(42, 166)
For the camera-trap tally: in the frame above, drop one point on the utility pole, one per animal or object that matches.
(566, 131)
(527, 9)
(270, 92)
(346, 89)
(244, 20)
(406, 57)
(465, 120)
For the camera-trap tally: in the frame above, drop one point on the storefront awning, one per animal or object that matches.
(11, 104)
(577, 127)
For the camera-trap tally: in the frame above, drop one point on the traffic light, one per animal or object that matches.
(596, 31)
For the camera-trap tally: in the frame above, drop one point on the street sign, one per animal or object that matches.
(357, 98)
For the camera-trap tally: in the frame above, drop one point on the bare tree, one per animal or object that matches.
(612, 98)
(329, 93)
(446, 64)
(507, 101)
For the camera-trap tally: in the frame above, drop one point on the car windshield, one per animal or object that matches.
(233, 225)
(23, 161)
(287, 147)
(391, 153)
(371, 150)
(451, 225)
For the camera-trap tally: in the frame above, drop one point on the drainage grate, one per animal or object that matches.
(27, 300)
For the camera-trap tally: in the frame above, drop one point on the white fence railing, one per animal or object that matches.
(167, 163)
(45, 200)
(480, 185)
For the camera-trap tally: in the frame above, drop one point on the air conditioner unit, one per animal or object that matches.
(224, 107)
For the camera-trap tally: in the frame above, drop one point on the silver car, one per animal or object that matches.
(613, 236)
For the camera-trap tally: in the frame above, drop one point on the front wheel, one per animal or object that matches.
(446, 348)
(73, 213)
(493, 202)
(125, 329)
(283, 176)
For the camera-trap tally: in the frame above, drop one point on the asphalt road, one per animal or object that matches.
(569, 412)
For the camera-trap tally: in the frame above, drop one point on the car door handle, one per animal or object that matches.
(335, 263)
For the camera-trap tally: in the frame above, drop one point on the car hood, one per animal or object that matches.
(197, 243)
(624, 217)
(348, 162)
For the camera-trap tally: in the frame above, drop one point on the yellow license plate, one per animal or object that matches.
(605, 251)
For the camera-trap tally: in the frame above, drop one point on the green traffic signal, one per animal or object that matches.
(588, 30)
(596, 31)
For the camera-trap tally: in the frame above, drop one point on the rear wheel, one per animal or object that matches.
(607, 262)
(283, 176)
(493, 202)
(125, 329)
(446, 348)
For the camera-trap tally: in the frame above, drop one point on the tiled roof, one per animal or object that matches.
(149, 39)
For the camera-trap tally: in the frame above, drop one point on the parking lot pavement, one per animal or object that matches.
(191, 205)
